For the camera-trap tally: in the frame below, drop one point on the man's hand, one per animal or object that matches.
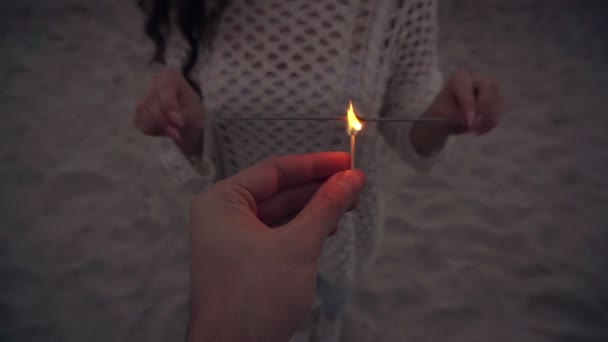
(253, 283)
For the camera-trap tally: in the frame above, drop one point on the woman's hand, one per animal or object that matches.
(172, 108)
(470, 103)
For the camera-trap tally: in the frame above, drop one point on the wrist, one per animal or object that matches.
(428, 138)
(216, 329)
(212, 325)
(221, 318)
(443, 128)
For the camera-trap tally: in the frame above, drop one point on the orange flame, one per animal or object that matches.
(354, 125)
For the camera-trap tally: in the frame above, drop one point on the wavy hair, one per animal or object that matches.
(195, 20)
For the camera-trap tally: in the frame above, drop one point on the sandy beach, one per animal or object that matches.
(507, 240)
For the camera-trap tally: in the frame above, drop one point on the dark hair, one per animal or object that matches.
(195, 19)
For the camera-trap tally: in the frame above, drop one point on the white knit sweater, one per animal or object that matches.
(308, 58)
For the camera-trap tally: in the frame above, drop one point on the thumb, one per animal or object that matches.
(322, 214)
(463, 88)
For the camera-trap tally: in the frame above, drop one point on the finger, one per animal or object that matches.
(167, 97)
(157, 118)
(173, 133)
(464, 91)
(322, 214)
(175, 118)
(265, 179)
(487, 104)
(286, 203)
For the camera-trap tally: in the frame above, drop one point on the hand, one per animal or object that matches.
(253, 283)
(171, 108)
(470, 103)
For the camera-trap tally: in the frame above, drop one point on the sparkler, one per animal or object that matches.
(353, 123)
(332, 118)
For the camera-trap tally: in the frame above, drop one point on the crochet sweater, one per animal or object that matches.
(308, 58)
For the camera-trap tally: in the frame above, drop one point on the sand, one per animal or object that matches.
(505, 241)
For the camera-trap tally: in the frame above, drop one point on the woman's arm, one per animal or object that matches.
(428, 139)
(468, 103)
(416, 81)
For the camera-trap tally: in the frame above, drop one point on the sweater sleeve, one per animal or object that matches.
(416, 79)
(188, 173)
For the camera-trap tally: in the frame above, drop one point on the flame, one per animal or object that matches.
(354, 125)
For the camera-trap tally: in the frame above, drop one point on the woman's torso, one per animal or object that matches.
(295, 58)
(300, 58)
